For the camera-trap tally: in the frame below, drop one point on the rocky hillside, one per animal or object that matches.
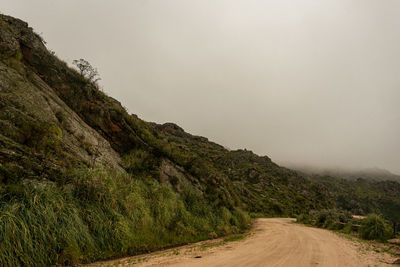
(251, 181)
(54, 119)
(41, 136)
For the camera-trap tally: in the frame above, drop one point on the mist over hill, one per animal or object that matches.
(373, 174)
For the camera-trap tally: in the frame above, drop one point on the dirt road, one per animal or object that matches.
(273, 242)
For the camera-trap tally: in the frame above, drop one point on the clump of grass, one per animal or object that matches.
(236, 237)
(138, 161)
(374, 227)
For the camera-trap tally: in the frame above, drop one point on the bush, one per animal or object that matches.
(328, 218)
(347, 229)
(303, 218)
(374, 227)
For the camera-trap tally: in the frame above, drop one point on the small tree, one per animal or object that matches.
(87, 70)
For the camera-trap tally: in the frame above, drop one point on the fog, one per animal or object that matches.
(302, 81)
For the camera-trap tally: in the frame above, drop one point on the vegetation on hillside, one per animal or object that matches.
(372, 227)
(359, 197)
(255, 182)
(101, 214)
(363, 197)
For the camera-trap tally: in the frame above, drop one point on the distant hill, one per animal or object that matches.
(360, 192)
(373, 174)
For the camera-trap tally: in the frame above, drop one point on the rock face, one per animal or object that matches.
(39, 134)
(8, 44)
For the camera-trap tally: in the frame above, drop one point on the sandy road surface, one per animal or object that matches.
(274, 242)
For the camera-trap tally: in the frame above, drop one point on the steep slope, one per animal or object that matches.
(230, 178)
(81, 179)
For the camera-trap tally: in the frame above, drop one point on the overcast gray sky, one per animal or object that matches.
(313, 82)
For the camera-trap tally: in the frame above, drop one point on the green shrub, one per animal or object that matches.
(374, 227)
(347, 229)
(327, 218)
(303, 218)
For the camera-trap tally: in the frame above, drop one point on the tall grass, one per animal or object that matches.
(41, 227)
(101, 214)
